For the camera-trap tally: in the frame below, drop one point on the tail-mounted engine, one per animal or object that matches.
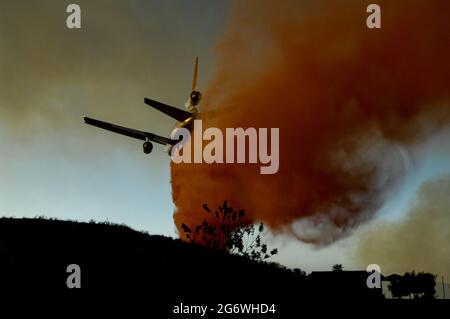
(196, 96)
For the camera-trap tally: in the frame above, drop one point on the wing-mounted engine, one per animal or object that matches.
(147, 147)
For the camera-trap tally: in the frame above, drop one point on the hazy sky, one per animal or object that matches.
(50, 77)
(54, 165)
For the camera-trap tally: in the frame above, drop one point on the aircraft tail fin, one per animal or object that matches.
(194, 79)
(195, 96)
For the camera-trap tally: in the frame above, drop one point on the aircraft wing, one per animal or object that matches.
(173, 112)
(130, 132)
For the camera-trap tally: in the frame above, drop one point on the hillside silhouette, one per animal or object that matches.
(115, 259)
(124, 267)
(35, 253)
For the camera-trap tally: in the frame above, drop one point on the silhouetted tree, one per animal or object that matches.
(230, 231)
(420, 286)
(337, 267)
(397, 287)
(425, 284)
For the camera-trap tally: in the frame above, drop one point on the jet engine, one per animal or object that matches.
(196, 96)
(147, 147)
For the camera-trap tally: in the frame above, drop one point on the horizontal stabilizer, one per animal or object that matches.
(173, 112)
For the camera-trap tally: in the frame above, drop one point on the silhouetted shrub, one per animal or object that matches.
(231, 232)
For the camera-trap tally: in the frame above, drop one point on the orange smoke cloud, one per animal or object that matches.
(344, 97)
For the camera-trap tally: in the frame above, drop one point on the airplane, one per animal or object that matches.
(184, 118)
